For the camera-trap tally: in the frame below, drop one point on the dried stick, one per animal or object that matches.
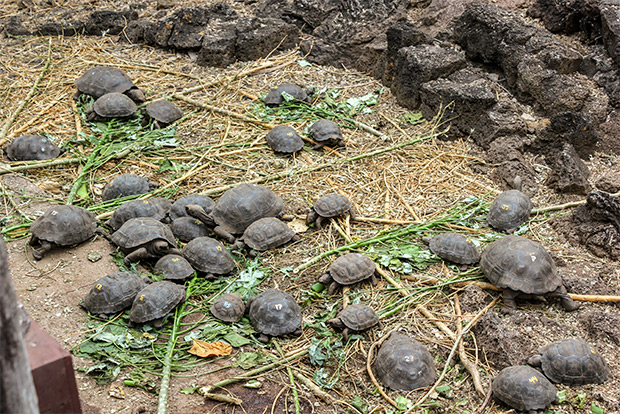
(223, 398)
(564, 206)
(9, 122)
(470, 366)
(369, 369)
(314, 388)
(291, 379)
(221, 111)
(452, 352)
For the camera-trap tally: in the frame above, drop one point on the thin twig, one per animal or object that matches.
(9, 122)
(221, 111)
(369, 368)
(470, 366)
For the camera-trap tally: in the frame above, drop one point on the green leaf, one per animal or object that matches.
(403, 403)
(444, 389)
(318, 287)
(247, 360)
(359, 404)
(321, 377)
(190, 390)
(82, 192)
(315, 352)
(413, 118)
(303, 63)
(561, 396)
(596, 409)
(236, 340)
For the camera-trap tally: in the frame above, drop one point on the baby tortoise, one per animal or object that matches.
(510, 209)
(126, 185)
(144, 238)
(523, 268)
(228, 308)
(274, 313)
(453, 247)
(524, 389)
(156, 207)
(283, 139)
(347, 270)
(403, 363)
(173, 267)
(178, 207)
(355, 318)
(325, 132)
(102, 80)
(162, 113)
(114, 293)
(187, 229)
(571, 361)
(111, 105)
(329, 206)
(31, 147)
(209, 257)
(275, 98)
(62, 225)
(154, 302)
(265, 234)
(237, 208)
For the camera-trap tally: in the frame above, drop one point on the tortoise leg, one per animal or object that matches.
(352, 216)
(509, 297)
(136, 255)
(318, 146)
(311, 217)
(373, 279)
(263, 338)
(298, 331)
(158, 323)
(41, 250)
(174, 250)
(224, 234)
(332, 288)
(319, 222)
(345, 335)
(567, 302)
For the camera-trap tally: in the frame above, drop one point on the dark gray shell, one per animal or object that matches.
(114, 105)
(242, 205)
(156, 300)
(164, 112)
(520, 264)
(284, 139)
(64, 225)
(573, 361)
(352, 268)
(187, 229)
(208, 255)
(178, 207)
(358, 317)
(31, 147)
(275, 313)
(523, 388)
(228, 308)
(403, 363)
(140, 231)
(102, 80)
(455, 248)
(125, 185)
(326, 132)
(332, 205)
(510, 209)
(173, 267)
(267, 233)
(113, 293)
(274, 97)
(156, 207)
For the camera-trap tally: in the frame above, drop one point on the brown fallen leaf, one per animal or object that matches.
(208, 349)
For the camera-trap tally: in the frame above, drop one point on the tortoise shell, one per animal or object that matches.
(163, 112)
(156, 207)
(173, 267)
(325, 132)
(403, 363)
(187, 229)
(573, 362)
(332, 205)
(242, 205)
(352, 268)
(113, 293)
(64, 225)
(125, 185)
(112, 105)
(156, 300)
(178, 207)
(274, 96)
(284, 139)
(228, 308)
(139, 231)
(358, 317)
(510, 209)
(274, 313)
(455, 248)
(523, 388)
(267, 233)
(208, 255)
(520, 264)
(31, 147)
(102, 80)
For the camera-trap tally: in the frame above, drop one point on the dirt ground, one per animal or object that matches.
(413, 184)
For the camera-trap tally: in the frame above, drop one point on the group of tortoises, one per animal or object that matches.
(248, 216)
